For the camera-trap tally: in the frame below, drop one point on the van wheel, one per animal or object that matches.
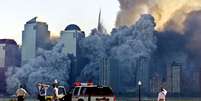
(80, 100)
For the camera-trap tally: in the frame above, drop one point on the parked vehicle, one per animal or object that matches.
(90, 92)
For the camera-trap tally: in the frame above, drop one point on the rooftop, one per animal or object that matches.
(72, 27)
(8, 41)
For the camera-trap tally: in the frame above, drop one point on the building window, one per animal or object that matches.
(4, 47)
(34, 27)
(74, 35)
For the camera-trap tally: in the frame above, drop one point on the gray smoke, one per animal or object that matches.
(182, 47)
(94, 47)
(125, 44)
(46, 67)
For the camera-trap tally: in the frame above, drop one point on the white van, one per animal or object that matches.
(86, 92)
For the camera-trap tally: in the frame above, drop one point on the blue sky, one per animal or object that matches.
(57, 13)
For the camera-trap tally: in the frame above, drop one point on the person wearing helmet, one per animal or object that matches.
(21, 93)
(55, 91)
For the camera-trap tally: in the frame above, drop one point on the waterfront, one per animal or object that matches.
(155, 99)
(125, 99)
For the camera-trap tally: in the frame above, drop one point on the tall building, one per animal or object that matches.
(174, 78)
(143, 73)
(104, 72)
(9, 56)
(34, 36)
(70, 37)
(196, 81)
(115, 76)
(155, 83)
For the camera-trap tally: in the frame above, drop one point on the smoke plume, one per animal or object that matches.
(46, 67)
(167, 13)
(126, 45)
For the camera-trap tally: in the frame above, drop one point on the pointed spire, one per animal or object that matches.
(100, 27)
(99, 21)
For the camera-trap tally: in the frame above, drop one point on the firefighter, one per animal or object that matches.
(21, 93)
(55, 91)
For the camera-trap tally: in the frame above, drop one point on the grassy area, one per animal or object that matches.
(155, 99)
(11, 99)
(128, 99)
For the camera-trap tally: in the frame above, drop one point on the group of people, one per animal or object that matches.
(21, 93)
(42, 89)
(42, 92)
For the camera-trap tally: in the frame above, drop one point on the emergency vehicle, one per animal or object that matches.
(90, 92)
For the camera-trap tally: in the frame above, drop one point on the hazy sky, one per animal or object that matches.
(57, 13)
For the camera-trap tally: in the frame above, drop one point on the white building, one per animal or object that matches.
(70, 38)
(34, 36)
(9, 56)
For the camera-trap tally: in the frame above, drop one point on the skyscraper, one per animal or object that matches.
(115, 75)
(174, 78)
(104, 71)
(143, 72)
(155, 83)
(9, 56)
(34, 36)
(70, 37)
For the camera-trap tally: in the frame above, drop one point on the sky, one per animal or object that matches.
(56, 13)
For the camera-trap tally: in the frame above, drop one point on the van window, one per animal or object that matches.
(76, 91)
(97, 91)
(61, 91)
(83, 91)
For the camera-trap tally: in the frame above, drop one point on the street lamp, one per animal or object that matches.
(139, 85)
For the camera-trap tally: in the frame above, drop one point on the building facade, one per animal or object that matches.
(104, 72)
(174, 78)
(35, 35)
(9, 57)
(115, 75)
(143, 73)
(155, 83)
(70, 37)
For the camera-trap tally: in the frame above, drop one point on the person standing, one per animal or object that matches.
(42, 89)
(55, 91)
(162, 95)
(21, 93)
